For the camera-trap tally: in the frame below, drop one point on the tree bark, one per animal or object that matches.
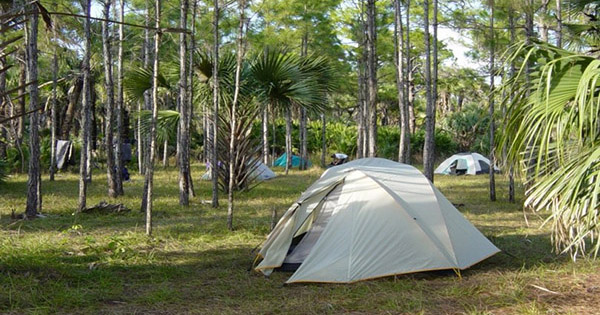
(407, 92)
(190, 87)
(119, 104)
(288, 139)
(85, 118)
(22, 102)
(33, 181)
(511, 177)
(215, 159)
(184, 122)
(372, 76)
(233, 120)
(492, 156)
(323, 139)
(559, 24)
(109, 106)
(54, 116)
(265, 135)
(150, 162)
(400, 82)
(429, 144)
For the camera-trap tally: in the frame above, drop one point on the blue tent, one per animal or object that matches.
(295, 161)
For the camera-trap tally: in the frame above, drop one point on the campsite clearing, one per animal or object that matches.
(104, 263)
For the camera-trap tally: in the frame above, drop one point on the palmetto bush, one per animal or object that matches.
(552, 134)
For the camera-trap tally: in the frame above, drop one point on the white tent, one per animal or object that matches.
(371, 218)
(261, 172)
(465, 163)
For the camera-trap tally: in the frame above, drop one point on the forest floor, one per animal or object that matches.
(93, 263)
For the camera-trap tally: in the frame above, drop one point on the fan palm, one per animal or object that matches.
(285, 80)
(553, 134)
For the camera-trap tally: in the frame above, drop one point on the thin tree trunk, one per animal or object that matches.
(233, 120)
(511, 177)
(119, 104)
(288, 139)
(428, 147)
(323, 139)
(147, 106)
(85, 108)
(109, 108)
(184, 122)
(265, 135)
(22, 102)
(33, 181)
(150, 162)
(406, 123)
(491, 102)
(303, 113)
(53, 114)
(400, 82)
(559, 24)
(165, 159)
(372, 76)
(360, 108)
(215, 159)
(190, 87)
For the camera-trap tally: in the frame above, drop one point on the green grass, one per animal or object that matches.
(69, 263)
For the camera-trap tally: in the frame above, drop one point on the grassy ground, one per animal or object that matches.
(105, 264)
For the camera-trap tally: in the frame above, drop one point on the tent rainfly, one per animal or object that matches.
(465, 163)
(295, 161)
(371, 218)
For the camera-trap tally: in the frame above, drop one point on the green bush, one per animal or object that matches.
(469, 129)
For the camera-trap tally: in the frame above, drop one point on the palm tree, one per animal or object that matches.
(286, 80)
(553, 134)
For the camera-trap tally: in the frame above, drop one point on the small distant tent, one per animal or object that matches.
(260, 172)
(371, 218)
(465, 163)
(295, 161)
(263, 172)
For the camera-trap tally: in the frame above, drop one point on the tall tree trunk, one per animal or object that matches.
(429, 145)
(511, 177)
(544, 24)
(215, 118)
(192, 44)
(54, 116)
(119, 104)
(22, 102)
(184, 122)
(400, 83)
(85, 108)
(150, 162)
(288, 139)
(409, 123)
(165, 159)
(360, 111)
(559, 23)
(33, 181)
(147, 106)
(372, 76)
(303, 114)
(109, 108)
(233, 156)
(491, 102)
(323, 139)
(265, 135)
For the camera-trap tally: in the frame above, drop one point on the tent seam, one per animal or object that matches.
(417, 222)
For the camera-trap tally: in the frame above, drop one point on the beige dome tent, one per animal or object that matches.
(371, 218)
